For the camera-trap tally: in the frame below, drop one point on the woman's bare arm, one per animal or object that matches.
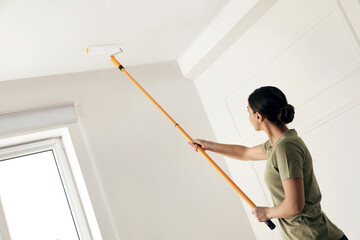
(238, 152)
(294, 201)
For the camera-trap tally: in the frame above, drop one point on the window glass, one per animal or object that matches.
(33, 198)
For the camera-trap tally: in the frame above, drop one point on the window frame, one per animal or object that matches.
(70, 173)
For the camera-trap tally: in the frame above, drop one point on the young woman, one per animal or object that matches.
(289, 171)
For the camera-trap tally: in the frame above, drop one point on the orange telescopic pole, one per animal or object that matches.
(227, 178)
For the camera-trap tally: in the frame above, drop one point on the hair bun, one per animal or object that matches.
(286, 114)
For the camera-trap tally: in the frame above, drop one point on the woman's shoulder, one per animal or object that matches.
(291, 144)
(289, 140)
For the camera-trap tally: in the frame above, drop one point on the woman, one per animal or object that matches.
(289, 171)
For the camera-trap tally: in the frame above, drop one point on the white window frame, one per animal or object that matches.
(59, 141)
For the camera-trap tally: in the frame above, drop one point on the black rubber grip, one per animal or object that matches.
(270, 224)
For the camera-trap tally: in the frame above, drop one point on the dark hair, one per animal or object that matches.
(271, 103)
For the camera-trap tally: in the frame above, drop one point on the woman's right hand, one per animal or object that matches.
(199, 142)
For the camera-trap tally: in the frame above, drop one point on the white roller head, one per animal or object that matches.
(104, 49)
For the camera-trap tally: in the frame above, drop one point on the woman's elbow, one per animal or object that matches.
(297, 209)
(300, 209)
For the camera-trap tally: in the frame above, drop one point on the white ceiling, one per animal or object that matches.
(47, 37)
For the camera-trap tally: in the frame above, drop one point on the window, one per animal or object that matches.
(39, 197)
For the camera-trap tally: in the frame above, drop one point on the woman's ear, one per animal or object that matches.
(258, 116)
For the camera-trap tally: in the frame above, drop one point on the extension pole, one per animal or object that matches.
(269, 223)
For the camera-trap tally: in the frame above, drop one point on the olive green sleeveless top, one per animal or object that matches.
(290, 158)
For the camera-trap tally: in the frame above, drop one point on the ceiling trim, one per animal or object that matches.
(230, 24)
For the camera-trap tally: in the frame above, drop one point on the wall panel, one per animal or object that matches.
(311, 51)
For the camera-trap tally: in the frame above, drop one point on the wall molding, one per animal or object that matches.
(341, 75)
(277, 53)
(347, 25)
(321, 87)
(99, 181)
(321, 120)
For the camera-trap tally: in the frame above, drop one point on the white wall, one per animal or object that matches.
(150, 184)
(310, 50)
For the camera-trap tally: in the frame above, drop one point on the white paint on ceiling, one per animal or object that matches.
(39, 38)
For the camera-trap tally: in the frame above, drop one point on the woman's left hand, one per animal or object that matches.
(260, 213)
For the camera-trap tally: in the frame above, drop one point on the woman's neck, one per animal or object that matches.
(274, 132)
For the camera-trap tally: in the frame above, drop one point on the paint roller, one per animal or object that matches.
(112, 49)
(116, 49)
